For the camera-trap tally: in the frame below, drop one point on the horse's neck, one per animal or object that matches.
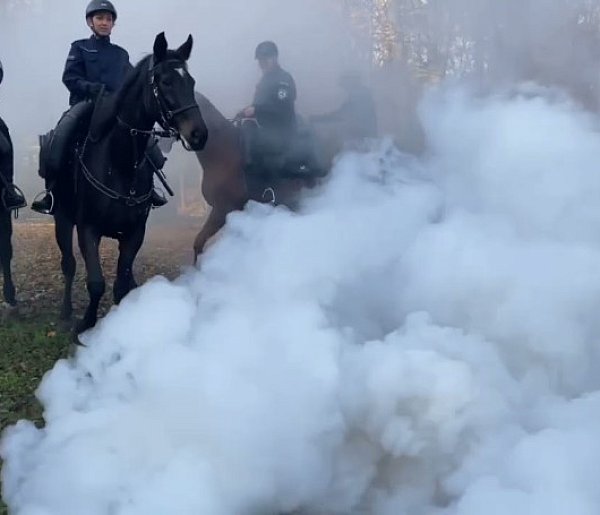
(224, 137)
(130, 138)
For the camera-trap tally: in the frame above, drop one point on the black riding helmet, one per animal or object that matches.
(265, 50)
(96, 6)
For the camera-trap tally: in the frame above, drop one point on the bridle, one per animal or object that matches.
(166, 115)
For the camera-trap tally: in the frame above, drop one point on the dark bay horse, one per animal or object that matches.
(106, 189)
(225, 186)
(6, 250)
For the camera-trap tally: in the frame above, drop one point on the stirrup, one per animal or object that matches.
(52, 202)
(269, 192)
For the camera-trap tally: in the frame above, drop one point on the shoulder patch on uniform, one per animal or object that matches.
(282, 93)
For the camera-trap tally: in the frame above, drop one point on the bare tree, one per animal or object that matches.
(490, 42)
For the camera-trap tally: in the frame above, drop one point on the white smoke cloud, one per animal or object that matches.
(421, 339)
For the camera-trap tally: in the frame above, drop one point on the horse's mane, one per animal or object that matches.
(107, 108)
(135, 74)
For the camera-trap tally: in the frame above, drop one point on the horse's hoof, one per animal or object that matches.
(76, 342)
(74, 347)
(9, 305)
(7, 310)
(196, 257)
(83, 325)
(10, 295)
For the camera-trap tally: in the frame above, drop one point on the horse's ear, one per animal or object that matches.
(185, 50)
(160, 47)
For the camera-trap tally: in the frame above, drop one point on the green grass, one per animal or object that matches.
(28, 349)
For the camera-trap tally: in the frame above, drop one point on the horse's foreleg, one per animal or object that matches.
(63, 230)
(129, 246)
(6, 253)
(89, 243)
(214, 222)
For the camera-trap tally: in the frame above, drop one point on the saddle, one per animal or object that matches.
(91, 119)
(56, 144)
(275, 158)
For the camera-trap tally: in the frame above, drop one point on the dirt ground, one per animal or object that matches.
(36, 263)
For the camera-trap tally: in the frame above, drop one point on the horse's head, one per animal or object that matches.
(173, 89)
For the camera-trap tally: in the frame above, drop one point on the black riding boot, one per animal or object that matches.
(13, 198)
(157, 200)
(54, 149)
(44, 205)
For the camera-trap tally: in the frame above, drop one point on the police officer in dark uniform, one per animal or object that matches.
(12, 197)
(93, 65)
(273, 107)
(95, 62)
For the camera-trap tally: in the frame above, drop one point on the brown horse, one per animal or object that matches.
(225, 186)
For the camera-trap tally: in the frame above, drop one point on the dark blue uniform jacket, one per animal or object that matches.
(92, 62)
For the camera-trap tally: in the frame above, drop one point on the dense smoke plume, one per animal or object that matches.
(420, 338)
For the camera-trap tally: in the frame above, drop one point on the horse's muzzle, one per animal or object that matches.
(193, 131)
(197, 139)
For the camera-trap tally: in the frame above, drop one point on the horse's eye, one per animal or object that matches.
(167, 81)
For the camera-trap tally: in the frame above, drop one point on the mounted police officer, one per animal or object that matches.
(93, 65)
(12, 197)
(273, 108)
